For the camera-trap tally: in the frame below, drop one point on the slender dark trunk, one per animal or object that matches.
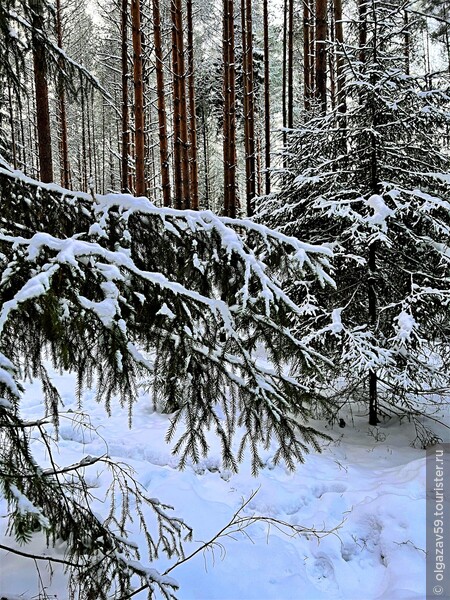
(306, 56)
(181, 157)
(206, 159)
(162, 119)
(290, 66)
(139, 125)
(321, 54)
(125, 118)
(12, 127)
(229, 112)
(284, 74)
(63, 146)
(249, 120)
(41, 91)
(362, 13)
(83, 165)
(193, 163)
(266, 96)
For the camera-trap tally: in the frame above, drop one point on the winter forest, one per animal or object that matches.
(224, 296)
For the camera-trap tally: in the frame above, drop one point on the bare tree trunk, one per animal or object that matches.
(139, 125)
(162, 119)
(249, 112)
(266, 96)
(83, 164)
(181, 157)
(321, 54)
(340, 74)
(64, 151)
(192, 112)
(290, 66)
(312, 46)
(285, 67)
(11, 123)
(206, 158)
(229, 116)
(41, 91)
(306, 56)
(125, 118)
(407, 42)
(362, 13)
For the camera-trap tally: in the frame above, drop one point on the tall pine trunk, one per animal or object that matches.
(249, 120)
(64, 151)
(266, 96)
(193, 163)
(139, 125)
(306, 56)
(41, 95)
(229, 110)
(321, 54)
(181, 157)
(125, 118)
(162, 118)
(290, 66)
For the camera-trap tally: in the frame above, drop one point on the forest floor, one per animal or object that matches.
(369, 481)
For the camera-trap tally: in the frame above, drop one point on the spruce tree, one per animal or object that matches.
(373, 185)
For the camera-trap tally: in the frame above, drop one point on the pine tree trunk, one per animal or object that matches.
(64, 151)
(42, 101)
(249, 120)
(266, 97)
(139, 126)
(229, 111)
(407, 42)
(312, 47)
(12, 127)
(306, 56)
(192, 111)
(290, 66)
(205, 158)
(362, 13)
(125, 118)
(340, 73)
(321, 54)
(284, 68)
(162, 119)
(83, 164)
(181, 157)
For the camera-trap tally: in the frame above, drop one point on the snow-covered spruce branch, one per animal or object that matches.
(120, 291)
(195, 291)
(99, 557)
(238, 524)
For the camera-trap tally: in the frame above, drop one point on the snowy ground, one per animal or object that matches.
(373, 481)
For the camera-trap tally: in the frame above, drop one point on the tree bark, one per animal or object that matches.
(193, 163)
(64, 151)
(162, 119)
(181, 158)
(266, 96)
(321, 54)
(340, 73)
(125, 118)
(249, 111)
(229, 111)
(290, 66)
(306, 57)
(139, 125)
(42, 101)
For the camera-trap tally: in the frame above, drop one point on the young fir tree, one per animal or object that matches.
(373, 185)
